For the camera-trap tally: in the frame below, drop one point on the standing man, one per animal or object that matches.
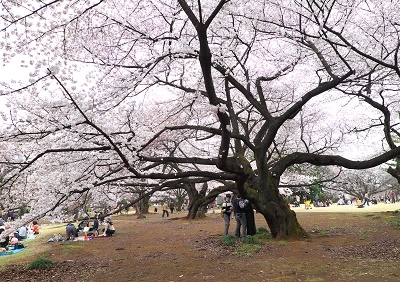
(250, 221)
(366, 200)
(392, 197)
(172, 206)
(227, 211)
(239, 208)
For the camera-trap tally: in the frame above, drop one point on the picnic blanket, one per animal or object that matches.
(82, 238)
(101, 236)
(11, 252)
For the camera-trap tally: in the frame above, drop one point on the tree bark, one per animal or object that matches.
(264, 195)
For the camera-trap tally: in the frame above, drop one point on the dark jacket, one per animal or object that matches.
(236, 205)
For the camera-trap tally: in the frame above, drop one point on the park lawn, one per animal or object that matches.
(343, 246)
(35, 247)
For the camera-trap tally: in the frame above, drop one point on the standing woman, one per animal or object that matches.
(109, 229)
(165, 210)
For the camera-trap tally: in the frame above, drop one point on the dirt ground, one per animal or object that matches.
(346, 244)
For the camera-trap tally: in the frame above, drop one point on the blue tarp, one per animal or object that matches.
(11, 252)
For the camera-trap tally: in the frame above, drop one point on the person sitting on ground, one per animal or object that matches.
(22, 232)
(101, 217)
(35, 227)
(95, 226)
(81, 226)
(29, 234)
(14, 241)
(71, 231)
(109, 229)
(4, 242)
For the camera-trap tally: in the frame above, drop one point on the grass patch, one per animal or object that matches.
(67, 248)
(247, 250)
(250, 240)
(322, 233)
(366, 233)
(263, 234)
(395, 223)
(229, 240)
(262, 230)
(35, 247)
(40, 263)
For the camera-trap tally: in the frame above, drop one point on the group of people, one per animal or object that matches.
(72, 232)
(167, 208)
(317, 202)
(242, 210)
(14, 239)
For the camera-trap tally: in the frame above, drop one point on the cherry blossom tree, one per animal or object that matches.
(184, 93)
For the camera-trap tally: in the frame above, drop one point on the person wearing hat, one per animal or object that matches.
(226, 210)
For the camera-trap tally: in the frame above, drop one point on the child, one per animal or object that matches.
(35, 227)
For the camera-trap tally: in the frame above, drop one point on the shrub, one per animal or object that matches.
(40, 263)
(229, 240)
(250, 240)
(262, 230)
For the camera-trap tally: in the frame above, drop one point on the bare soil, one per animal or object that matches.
(343, 246)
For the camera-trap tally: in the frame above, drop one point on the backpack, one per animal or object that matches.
(242, 204)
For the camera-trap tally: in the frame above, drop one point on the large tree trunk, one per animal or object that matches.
(146, 204)
(197, 209)
(199, 200)
(281, 220)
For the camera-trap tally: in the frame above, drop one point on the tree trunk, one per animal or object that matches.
(281, 220)
(146, 204)
(197, 208)
(196, 200)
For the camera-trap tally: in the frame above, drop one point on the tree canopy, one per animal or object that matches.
(208, 96)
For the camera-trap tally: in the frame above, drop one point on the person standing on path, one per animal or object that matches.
(165, 210)
(172, 207)
(366, 200)
(226, 212)
(239, 208)
(250, 221)
(392, 197)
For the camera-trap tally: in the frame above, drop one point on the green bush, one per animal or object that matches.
(262, 230)
(229, 240)
(40, 263)
(263, 233)
(250, 240)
